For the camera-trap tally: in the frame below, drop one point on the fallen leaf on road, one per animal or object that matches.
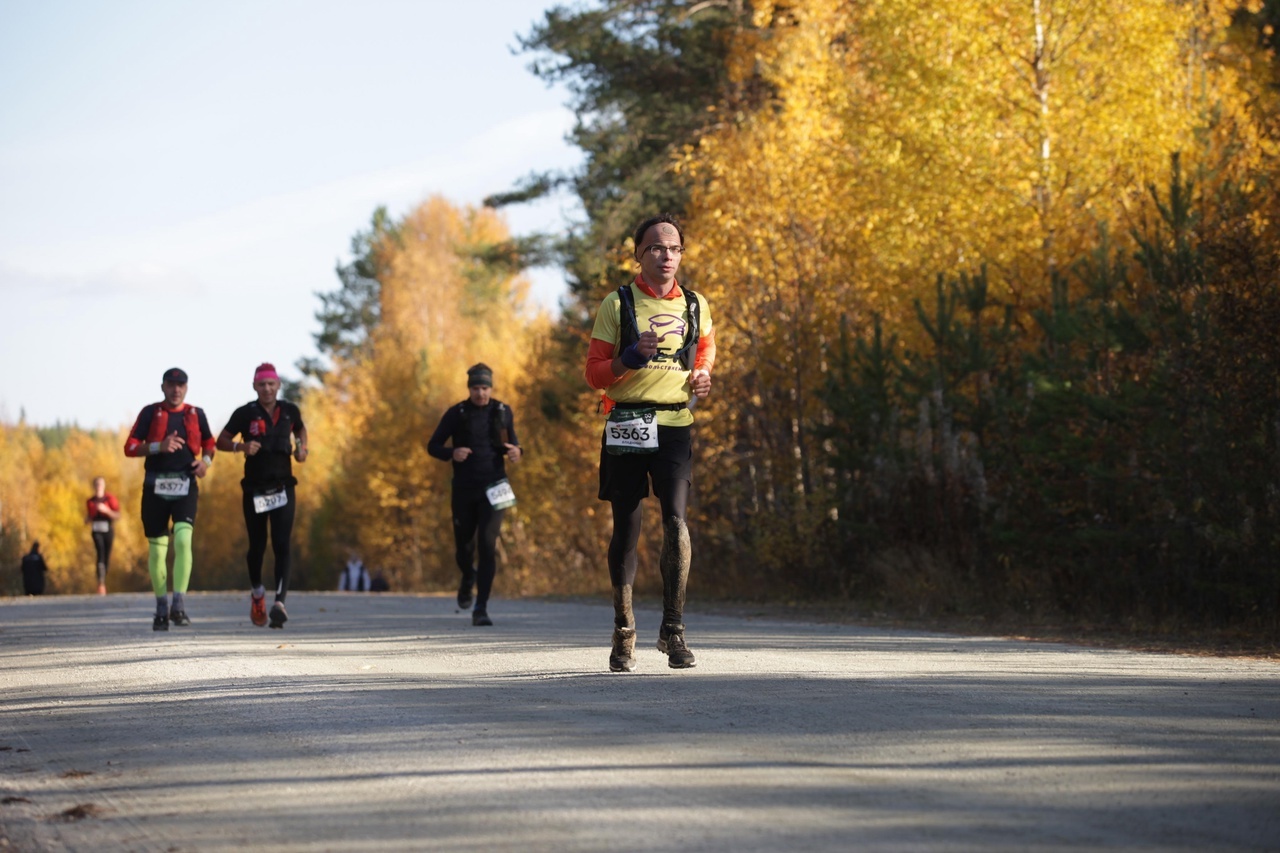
(80, 812)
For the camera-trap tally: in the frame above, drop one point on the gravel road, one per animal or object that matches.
(387, 722)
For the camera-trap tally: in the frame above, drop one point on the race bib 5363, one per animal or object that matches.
(631, 431)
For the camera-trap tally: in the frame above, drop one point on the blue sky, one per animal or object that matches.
(177, 180)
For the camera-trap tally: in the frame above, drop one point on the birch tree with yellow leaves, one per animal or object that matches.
(909, 139)
(46, 476)
(431, 306)
(906, 141)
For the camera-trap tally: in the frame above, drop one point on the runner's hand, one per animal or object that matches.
(641, 352)
(514, 453)
(461, 453)
(648, 344)
(199, 468)
(701, 383)
(172, 442)
(251, 448)
(300, 454)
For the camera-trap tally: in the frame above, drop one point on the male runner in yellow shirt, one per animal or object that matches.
(652, 351)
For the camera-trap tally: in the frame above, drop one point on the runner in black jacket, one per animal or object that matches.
(33, 571)
(483, 434)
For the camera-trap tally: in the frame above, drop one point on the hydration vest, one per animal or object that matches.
(273, 435)
(190, 421)
(630, 331)
(462, 431)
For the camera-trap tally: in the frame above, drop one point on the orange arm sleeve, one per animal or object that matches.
(599, 372)
(705, 359)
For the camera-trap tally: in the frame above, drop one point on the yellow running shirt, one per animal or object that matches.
(663, 379)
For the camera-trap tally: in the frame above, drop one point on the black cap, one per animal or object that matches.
(175, 375)
(479, 374)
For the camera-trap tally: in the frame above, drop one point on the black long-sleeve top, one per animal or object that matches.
(486, 430)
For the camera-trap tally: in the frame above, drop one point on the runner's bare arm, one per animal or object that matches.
(227, 442)
(300, 453)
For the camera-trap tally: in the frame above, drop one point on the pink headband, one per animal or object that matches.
(265, 371)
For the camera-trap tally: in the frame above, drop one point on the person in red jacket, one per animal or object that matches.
(101, 512)
(175, 439)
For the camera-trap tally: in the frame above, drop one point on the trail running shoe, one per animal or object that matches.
(258, 610)
(622, 655)
(678, 654)
(480, 618)
(278, 616)
(179, 618)
(465, 596)
(160, 623)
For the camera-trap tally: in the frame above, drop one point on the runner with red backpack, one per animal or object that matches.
(178, 446)
(101, 512)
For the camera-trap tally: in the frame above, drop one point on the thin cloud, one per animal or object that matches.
(469, 169)
(136, 279)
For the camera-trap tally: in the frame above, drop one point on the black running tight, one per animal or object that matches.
(476, 524)
(281, 523)
(673, 497)
(102, 544)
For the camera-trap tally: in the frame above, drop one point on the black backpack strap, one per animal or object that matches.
(688, 353)
(630, 327)
(497, 424)
(629, 331)
(461, 427)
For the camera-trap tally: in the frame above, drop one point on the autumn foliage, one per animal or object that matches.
(995, 286)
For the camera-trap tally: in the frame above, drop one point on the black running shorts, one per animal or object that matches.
(156, 512)
(626, 477)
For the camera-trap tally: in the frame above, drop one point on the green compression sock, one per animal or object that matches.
(181, 556)
(157, 551)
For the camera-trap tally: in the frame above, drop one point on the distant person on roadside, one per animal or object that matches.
(354, 577)
(482, 432)
(271, 435)
(651, 353)
(379, 583)
(101, 512)
(175, 439)
(33, 571)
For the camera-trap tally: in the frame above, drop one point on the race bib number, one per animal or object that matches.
(500, 495)
(172, 486)
(267, 501)
(101, 526)
(631, 431)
